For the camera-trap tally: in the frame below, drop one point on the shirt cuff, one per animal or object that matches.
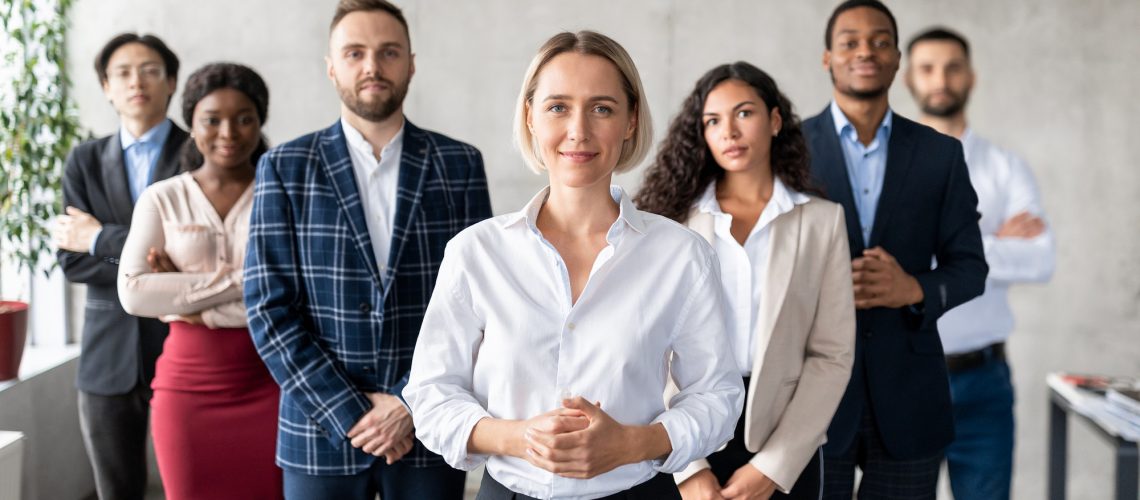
(691, 470)
(681, 433)
(451, 443)
(94, 241)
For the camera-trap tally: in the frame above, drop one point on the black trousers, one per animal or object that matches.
(114, 432)
(735, 455)
(660, 487)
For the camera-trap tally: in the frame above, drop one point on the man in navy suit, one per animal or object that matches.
(908, 203)
(347, 233)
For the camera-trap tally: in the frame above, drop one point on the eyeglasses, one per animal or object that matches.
(147, 72)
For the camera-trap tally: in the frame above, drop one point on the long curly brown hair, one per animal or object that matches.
(685, 165)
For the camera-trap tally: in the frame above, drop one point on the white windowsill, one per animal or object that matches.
(38, 360)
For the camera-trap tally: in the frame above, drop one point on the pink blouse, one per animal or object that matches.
(176, 216)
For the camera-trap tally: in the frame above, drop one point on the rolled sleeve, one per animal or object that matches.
(702, 416)
(439, 388)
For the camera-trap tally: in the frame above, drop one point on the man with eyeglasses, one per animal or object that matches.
(102, 180)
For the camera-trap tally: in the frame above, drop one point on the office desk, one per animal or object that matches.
(1066, 399)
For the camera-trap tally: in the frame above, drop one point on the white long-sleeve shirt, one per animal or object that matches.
(502, 339)
(744, 268)
(1005, 187)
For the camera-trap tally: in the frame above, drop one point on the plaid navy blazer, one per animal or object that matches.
(327, 323)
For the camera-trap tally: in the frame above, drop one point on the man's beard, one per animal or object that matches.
(378, 109)
(860, 95)
(954, 105)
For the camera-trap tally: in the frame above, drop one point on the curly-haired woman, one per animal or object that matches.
(735, 169)
(215, 405)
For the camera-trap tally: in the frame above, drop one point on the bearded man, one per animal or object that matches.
(1019, 249)
(348, 229)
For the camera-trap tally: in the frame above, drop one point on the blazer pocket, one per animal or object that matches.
(926, 343)
(101, 305)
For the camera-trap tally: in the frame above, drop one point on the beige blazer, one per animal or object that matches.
(805, 340)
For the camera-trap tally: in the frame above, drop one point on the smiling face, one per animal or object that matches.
(137, 84)
(579, 118)
(226, 128)
(738, 127)
(863, 57)
(370, 63)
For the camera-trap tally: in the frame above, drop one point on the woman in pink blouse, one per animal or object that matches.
(214, 409)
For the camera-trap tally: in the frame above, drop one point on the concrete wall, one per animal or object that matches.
(1055, 84)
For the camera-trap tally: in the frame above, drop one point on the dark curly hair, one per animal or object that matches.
(685, 165)
(216, 76)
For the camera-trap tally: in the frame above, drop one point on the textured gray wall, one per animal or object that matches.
(1056, 83)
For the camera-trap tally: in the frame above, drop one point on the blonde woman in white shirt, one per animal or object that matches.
(545, 346)
(734, 168)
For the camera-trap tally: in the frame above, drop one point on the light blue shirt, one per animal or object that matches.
(866, 166)
(140, 155)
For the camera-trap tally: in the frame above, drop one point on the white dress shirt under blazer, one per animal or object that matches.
(743, 268)
(803, 339)
(1005, 187)
(377, 181)
(502, 339)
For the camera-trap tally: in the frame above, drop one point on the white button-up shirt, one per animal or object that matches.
(377, 181)
(502, 339)
(743, 268)
(1005, 187)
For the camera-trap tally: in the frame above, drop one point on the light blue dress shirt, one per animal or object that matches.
(866, 166)
(140, 155)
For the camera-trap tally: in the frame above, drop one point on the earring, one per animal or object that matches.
(776, 132)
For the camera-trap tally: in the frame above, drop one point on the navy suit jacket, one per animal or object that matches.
(927, 210)
(329, 325)
(119, 350)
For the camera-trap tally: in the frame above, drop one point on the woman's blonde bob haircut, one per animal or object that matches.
(594, 44)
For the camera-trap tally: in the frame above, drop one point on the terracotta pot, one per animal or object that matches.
(13, 334)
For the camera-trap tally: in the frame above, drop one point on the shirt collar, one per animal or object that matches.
(357, 142)
(156, 133)
(628, 214)
(783, 198)
(844, 126)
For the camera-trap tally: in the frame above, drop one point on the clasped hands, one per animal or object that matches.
(581, 441)
(879, 281)
(384, 431)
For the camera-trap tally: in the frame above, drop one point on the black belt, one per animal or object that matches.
(974, 359)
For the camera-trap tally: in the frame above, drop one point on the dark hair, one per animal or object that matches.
(169, 60)
(685, 166)
(854, 4)
(216, 76)
(346, 7)
(939, 33)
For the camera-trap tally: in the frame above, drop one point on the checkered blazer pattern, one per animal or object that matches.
(326, 322)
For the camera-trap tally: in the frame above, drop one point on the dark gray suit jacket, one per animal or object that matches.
(119, 350)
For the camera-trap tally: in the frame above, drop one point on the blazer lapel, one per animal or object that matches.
(783, 248)
(899, 151)
(115, 180)
(168, 162)
(833, 172)
(414, 163)
(338, 166)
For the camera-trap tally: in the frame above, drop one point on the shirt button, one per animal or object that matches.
(365, 307)
(571, 326)
(866, 191)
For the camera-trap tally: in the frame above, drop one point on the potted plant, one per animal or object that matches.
(38, 126)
